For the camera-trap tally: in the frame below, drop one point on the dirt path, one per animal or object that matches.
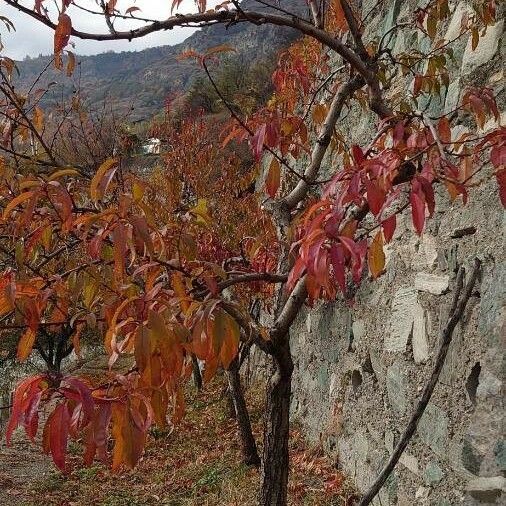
(20, 465)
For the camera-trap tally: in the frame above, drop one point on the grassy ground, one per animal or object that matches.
(199, 463)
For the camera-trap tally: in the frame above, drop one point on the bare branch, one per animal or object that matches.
(252, 277)
(457, 310)
(290, 310)
(323, 141)
(354, 30)
(223, 16)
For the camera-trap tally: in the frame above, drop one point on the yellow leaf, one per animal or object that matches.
(200, 211)
(38, 119)
(25, 344)
(62, 173)
(376, 255)
(138, 189)
(102, 178)
(15, 202)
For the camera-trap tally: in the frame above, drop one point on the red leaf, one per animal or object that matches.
(59, 431)
(338, 260)
(428, 192)
(23, 396)
(388, 226)
(501, 181)
(257, 142)
(375, 196)
(358, 154)
(417, 211)
(417, 86)
(498, 156)
(296, 272)
(86, 399)
(398, 135)
(96, 434)
(272, 134)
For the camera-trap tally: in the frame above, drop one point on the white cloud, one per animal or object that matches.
(32, 38)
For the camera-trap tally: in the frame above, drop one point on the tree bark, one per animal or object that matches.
(248, 444)
(276, 429)
(197, 376)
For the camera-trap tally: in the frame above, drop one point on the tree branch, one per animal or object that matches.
(323, 141)
(290, 310)
(354, 30)
(457, 310)
(259, 18)
(252, 277)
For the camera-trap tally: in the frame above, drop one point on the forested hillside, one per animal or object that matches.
(142, 80)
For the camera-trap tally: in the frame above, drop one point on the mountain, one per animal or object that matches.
(142, 80)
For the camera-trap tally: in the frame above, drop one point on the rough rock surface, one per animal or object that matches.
(361, 367)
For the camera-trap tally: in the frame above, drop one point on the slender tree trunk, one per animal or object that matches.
(276, 429)
(197, 376)
(249, 447)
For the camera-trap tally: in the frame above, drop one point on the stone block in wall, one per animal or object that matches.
(390, 21)
(410, 462)
(487, 489)
(433, 474)
(500, 455)
(486, 49)
(432, 283)
(397, 385)
(433, 429)
(377, 364)
(471, 458)
(401, 323)
(419, 341)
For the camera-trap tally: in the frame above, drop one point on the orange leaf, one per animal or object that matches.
(444, 130)
(26, 343)
(120, 246)
(273, 178)
(230, 344)
(376, 256)
(15, 202)
(102, 178)
(62, 32)
(71, 63)
(38, 119)
(179, 290)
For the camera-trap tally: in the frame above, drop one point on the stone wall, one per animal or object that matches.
(361, 366)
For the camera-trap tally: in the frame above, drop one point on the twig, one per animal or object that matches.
(457, 310)
(281, 160)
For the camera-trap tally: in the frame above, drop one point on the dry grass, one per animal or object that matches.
(198, 464)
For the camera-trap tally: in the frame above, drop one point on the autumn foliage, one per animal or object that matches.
(163, 266)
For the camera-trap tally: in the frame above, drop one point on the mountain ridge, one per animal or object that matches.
(140, 81)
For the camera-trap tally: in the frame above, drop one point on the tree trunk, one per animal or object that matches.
(197, 376)
(249, 447)
(276, 430)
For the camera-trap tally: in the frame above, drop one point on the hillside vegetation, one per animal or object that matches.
(142, 80)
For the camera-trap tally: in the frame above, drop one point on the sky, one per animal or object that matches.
(32, 38)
